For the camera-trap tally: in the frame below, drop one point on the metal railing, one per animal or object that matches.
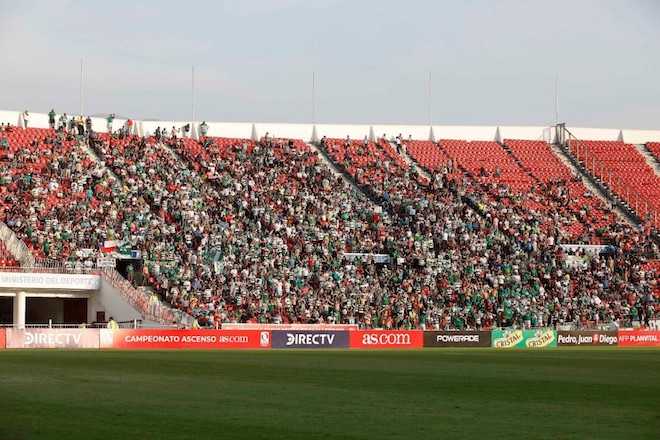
(136, 323)
(15, 246)
(620, 189)
(149, 305)
(61, 270)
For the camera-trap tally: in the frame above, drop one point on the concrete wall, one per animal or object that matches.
(112, 302)
(239, 130)
(9, 117)
(341, 131)
(640, 136)
(308, 132)
(288, 131)
(418, 132)
(595, 134)
(465, 132)
(527, 133)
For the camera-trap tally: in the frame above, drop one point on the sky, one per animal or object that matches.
(490, 62)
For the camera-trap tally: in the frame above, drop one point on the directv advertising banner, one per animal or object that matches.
(587, 338)
(52, 338)
(309, 339)
(457, 339)
(538, 338)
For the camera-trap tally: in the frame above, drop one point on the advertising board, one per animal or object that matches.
(52, 338)
(457, 339)
(309, 339)
(380, 339)
(52, 281)
(538, 338)
(639, 338)
(587, 338)
(158, 339)
(2, 338)
(311, 327)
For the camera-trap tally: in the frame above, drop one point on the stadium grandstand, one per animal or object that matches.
(329, 219)
(396, 227)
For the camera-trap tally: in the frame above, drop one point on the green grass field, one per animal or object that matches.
(432, 394)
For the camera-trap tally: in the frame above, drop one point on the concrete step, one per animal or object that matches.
(410, 161)
(84, 145)
(592, 185)
(649, 158)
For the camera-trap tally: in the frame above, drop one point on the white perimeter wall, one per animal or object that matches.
(309, 132)
(464, 132)
(287, 131)
(109, 300)
(640, 136)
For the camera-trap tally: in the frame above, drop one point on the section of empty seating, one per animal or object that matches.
(563, 190)
(487, 162)
(625, 171)
(427, 155)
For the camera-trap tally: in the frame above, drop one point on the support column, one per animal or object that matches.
(19, 310)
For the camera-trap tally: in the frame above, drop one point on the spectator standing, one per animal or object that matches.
(110, 119)
(62, 123)
(26, 119)
(203, 128)
(51, 118)
(112, 324)
(80, 123)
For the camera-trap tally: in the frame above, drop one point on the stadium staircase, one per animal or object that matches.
(649, 156)
(546, 163)
(95, 157)
(410, 161)
(346, 176)
(621, 187)
(601, 192)
(654, 149)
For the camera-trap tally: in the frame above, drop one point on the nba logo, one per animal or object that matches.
(264, 339)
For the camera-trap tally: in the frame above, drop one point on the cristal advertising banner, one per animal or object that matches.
(379, 339)
(457, 339)
(52, 338)
(2, 338)
(309, 339)
(587, 338)
(157, 339)
(538, 338)
(639, 338)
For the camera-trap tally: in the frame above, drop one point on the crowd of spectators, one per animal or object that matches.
(233, 230)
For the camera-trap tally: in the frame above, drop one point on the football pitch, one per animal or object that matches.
(593, 393)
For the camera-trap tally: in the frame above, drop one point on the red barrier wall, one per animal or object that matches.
(157, 339)
(379, 339)
(639, 338)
